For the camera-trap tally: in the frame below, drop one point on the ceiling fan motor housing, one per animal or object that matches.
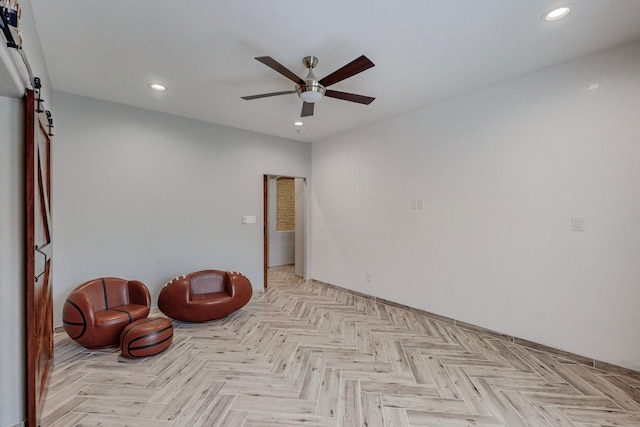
(312, 91)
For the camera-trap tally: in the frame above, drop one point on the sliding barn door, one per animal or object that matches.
(38, 258)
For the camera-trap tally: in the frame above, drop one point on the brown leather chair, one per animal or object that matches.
(204, 295)
(96, 312)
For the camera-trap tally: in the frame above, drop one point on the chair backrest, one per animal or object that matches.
(105, 293)
(207, 282)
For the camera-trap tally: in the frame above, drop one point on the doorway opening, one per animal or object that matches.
(285, 223)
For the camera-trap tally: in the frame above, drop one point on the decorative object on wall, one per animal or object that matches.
(312, 90)
(10, 23)
(10, 14)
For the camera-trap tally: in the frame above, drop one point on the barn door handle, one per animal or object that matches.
(45, 262)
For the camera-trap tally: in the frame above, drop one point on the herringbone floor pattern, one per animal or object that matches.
(305, 354)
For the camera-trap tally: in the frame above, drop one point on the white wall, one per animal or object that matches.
(149, 196)
(281, 243)
(12, 250)
(501, 172)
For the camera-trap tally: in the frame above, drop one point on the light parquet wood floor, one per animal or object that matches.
(304, 354)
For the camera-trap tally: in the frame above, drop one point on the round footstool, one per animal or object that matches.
(146, 337)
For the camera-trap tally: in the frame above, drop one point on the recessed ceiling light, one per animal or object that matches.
(557, 13)
(157, 86)
(298, 123)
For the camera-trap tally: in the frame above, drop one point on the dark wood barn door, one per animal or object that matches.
(38, 258)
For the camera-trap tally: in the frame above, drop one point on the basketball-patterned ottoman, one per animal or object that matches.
(146, 337)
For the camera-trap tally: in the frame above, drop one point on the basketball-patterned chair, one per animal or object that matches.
(96, 312)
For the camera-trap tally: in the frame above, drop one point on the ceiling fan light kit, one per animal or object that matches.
(312, 90)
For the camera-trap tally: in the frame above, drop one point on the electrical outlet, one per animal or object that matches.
(577, 223)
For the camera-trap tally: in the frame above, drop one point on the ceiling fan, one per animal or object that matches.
(311, 90)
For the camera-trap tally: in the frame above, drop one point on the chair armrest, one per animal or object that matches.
(229, 287)
(81, 302)
(138, 293)
(176, 292)
(238, 286)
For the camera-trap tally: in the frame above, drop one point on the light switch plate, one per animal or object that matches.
(249, 219)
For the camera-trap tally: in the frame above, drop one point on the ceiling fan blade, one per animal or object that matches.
(307, 109)
(272, 63)
(354, 67)
(361, 99)
(265, 95)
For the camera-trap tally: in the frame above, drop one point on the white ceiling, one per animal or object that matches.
(203, 51)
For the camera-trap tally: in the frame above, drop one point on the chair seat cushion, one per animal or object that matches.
(211, 298)
(111, 317)
(112, 321)
(121, 314)
(135, 310)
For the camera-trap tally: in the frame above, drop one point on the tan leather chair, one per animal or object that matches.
(96, 312)
(204, 295)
